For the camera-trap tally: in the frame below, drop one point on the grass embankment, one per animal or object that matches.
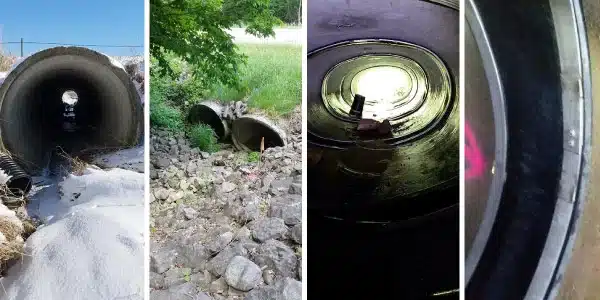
(271, 81)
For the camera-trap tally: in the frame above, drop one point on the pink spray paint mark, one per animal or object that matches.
(475, 161)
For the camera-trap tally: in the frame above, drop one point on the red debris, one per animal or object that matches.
(367, 125)
(373, 127)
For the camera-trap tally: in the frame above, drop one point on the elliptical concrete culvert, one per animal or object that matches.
(35, 120)
(248, 131)
(209, 113)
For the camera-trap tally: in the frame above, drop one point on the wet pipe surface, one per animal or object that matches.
(417, 267)
(475, 162)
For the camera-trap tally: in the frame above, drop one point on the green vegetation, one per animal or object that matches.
(182, 92)
(186, 274)
(203, 137)
(193, 58)
(288, 11)
(196, 32)
(253, 157)
(270, 81)
(164, 116)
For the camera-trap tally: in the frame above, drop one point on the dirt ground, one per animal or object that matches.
(582, 279)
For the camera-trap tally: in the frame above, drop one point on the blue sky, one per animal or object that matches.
(99, 22)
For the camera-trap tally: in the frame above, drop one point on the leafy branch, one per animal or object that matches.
(196, 32)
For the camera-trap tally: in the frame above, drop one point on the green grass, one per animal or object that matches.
(203, 137)
(271, 80)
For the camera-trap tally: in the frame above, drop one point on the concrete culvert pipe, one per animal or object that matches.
(68, 97)
(209, 113)
(248, 131)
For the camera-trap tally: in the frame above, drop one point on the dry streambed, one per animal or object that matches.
(224, 226)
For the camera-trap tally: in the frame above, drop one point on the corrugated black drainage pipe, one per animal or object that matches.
(19, 183)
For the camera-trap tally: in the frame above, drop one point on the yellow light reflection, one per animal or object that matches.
(382, 84)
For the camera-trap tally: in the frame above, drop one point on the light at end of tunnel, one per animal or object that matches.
(70, 97)
(385, 84)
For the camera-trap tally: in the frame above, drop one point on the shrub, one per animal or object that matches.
(162, 113)
(203, 137)
(6, 62)
(185, 93)
(165, 116)
(253, 157)
(180, 92)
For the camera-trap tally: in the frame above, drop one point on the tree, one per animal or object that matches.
(289, 11)
(195, 31)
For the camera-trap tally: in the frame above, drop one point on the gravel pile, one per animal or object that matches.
(135, 67)
(224, 226)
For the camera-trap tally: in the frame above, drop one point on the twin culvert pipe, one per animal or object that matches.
(107, 114)
(247, 132)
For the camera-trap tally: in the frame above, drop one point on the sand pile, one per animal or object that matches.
(91, 245)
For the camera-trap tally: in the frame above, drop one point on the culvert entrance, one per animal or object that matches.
(107, 112)
(249, 132)
(209, 113)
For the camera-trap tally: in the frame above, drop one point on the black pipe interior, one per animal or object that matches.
(383, 215)
(384, 261)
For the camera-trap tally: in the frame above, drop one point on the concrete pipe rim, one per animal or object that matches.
(214, 119)
(261, 121)
(100, 75)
